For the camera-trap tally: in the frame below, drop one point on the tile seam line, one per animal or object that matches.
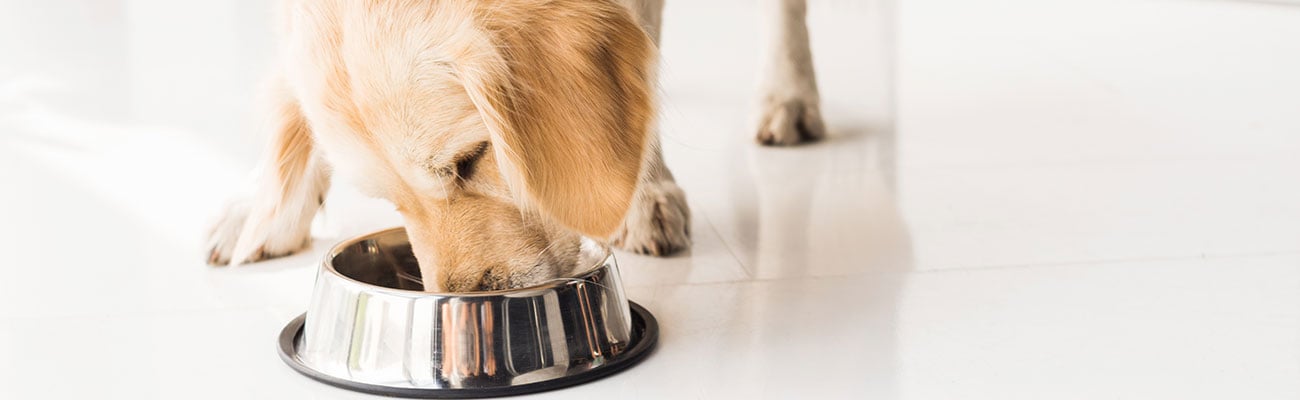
(1203, 256)
(160, 312)
(725, 244)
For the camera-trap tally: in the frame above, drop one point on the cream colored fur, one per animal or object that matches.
(502, 130)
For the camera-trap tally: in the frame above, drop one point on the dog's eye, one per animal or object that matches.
(465, 164)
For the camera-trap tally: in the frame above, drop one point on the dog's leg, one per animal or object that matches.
(659, 221)
(289, 187)
(789, 107)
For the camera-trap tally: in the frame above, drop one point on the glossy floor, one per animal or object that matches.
(1022, 199)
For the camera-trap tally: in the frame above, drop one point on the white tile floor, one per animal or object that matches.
(1023, 199)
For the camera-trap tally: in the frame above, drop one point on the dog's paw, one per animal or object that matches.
(790, 121)
(659, 222)
(241, 234)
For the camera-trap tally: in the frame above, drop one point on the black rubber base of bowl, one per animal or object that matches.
(645, 333)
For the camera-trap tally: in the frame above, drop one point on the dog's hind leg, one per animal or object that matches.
(790, 106)
(289, 186)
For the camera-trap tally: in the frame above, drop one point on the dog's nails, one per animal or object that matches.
(213, 257)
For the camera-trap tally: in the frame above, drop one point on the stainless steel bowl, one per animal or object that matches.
(370, 328)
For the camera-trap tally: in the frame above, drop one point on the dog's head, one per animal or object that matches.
(533, 135)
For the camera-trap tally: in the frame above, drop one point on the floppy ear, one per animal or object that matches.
(566, 94)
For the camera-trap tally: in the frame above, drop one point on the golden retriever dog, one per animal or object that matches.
(504, 131)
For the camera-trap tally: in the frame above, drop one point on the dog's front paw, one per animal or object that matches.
(659, 222)
(243, 235)
(789, 120)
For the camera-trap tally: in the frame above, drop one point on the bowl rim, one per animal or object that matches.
(327, 266)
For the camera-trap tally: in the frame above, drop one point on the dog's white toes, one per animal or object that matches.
(225, 232)
(277, 241)
(659, 222)
(790, 122)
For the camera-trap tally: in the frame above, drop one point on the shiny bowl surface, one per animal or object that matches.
(371, 328)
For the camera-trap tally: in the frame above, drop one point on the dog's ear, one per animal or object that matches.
(566, 94)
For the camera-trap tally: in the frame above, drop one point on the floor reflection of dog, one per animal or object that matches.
(822, 223)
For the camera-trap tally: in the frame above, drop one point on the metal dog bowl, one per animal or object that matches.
(369, 328)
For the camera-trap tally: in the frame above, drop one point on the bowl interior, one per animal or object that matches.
(384, 259)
